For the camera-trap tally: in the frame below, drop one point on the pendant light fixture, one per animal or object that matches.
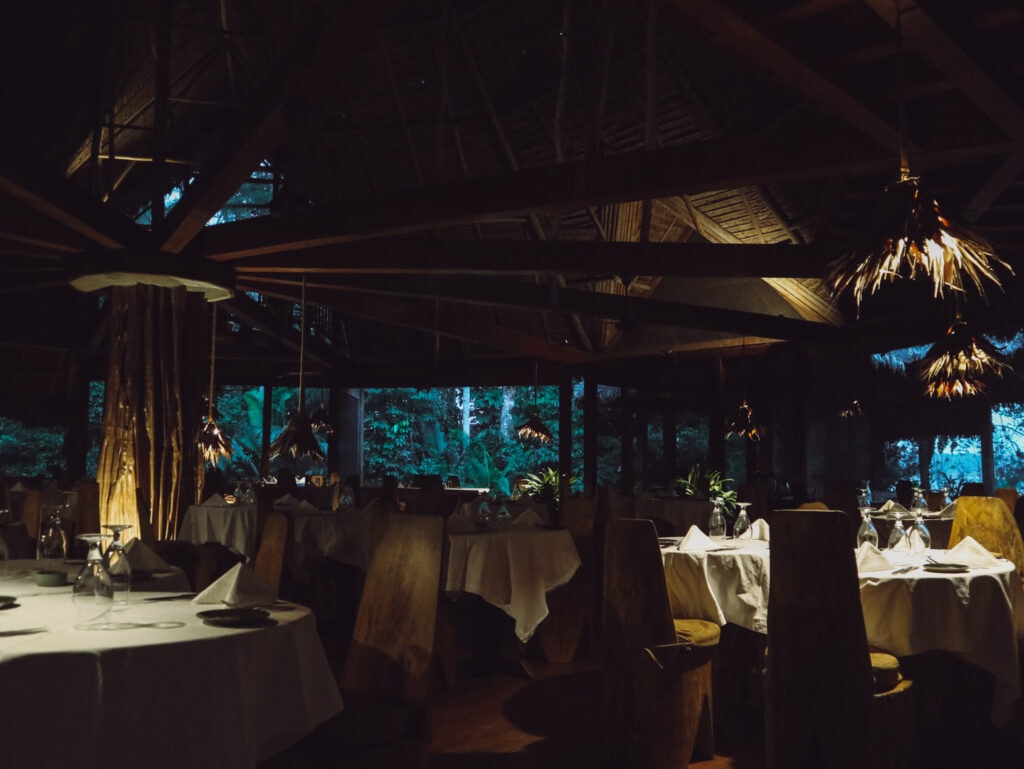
(297, 439)
(212, 442)
(958, 365)
(742, 422)
(908, 236)
(534, 429)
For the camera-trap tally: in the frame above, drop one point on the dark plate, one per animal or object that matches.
(249, 617)
(8, 601)
(946, 568)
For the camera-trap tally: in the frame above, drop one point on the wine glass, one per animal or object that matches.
(920, 537)
(867, 531)
(742, 525)
(93, 592)
(898, 534)
(117, 562)
(716, 524)
(52, 545)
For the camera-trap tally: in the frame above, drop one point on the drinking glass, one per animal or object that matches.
(93, 592)
(52, 545)
(867, 531)
(898, 533)
(117, 562)
(716, 524)
(742, 525)
(920, 537)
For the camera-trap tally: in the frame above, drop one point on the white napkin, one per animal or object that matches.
(286, 501)
(903, 546)
(215, 500)
(970, 552)
(758, 530)
(696, 539)
(238, 587)
(527, 518)
(891, 506)
(142, 556)
(870, 558)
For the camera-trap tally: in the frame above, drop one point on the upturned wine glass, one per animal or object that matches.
(116, 561)
(742, 525)
(716, 524)
(867, 531)
(93, 591)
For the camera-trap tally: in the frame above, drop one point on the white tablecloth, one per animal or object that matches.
(342, 536)
(978, 615)
(18, 578)
(231, 525)
(512, 568)
(725, 585)
(167, 692)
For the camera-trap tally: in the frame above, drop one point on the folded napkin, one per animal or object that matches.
(969, 552)
(758, 530)
(141, 556)
(903, 546)
(891, 506)
(238, 587)
(696, 539)
(286, 501)
(870, 558)
(527, 518)
(215, 500)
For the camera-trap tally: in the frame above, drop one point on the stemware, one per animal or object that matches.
(867, 531)
(52, 544)
(898, 533)
(920, 537)
(742, 525)
(716, 524)
(116, 561)
(93, 592)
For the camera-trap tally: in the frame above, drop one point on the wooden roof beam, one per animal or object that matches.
(412, 256)
(681, 169)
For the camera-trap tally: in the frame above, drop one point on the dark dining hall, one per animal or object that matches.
(534, 384)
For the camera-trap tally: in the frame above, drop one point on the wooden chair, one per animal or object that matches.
(989, 521)
(87, 495)
(385, 677)
(269, 561)
(212, 560)
(32, 512)
(1009, 496)
(829, 702)
(814, 505)
(657, 669)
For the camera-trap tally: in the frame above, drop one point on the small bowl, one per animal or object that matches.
(48, 578)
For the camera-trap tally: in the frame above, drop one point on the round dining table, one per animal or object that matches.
(152, 684)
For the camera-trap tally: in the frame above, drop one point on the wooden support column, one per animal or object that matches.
(565, 433)
(589, 436)
(716, 439)
(669, 470)
(988, 457)
(627, 423)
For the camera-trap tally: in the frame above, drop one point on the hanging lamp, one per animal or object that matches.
(908, 236)
(297, 439)
(742, 422)
(212, 442)
(534, 428)
(958, 365)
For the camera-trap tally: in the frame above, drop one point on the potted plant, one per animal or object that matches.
(705, 483)
(545, 486)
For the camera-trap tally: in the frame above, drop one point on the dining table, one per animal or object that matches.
(153, 683)
(342, 535)
(510, 565)
(233, 524)
(976, 614)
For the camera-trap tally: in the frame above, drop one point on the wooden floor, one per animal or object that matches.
(507, 721)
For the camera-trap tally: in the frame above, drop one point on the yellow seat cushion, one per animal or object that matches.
(885, 670)
(697, 632)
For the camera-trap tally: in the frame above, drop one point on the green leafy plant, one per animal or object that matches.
(546, 486)
(706, 483)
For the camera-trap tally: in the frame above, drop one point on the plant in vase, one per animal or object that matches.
(705, 483)
(545, 486)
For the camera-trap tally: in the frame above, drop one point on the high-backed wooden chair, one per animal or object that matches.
(989, 521)
(385, 678)
(269, 561)
(828, 701)
(1009, 496)
(657, 669)
(32, 512)
(212, 560)
(87, 496)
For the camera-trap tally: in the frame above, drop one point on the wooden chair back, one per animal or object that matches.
(813, 505)
(1009, 496)
(32, 512)
(989, 521)
(213, 560)
(269, 561)
(87, 496)
(393, 640)
(819, 687)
